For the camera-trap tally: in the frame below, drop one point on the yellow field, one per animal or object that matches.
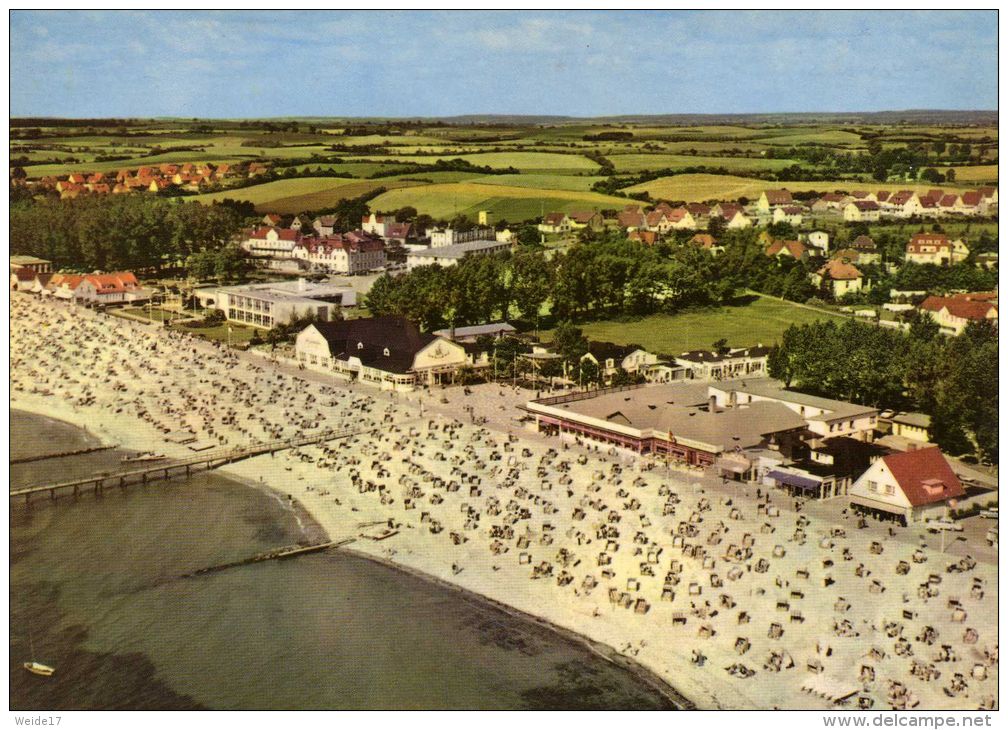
(977, 173)
(698, 188)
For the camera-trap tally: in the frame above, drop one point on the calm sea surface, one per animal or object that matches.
(95, 589)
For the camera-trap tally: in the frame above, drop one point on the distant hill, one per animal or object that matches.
(978, 117)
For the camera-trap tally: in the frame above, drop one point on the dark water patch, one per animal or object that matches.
(583, 686)
(84, 679)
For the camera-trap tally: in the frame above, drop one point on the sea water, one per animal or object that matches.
(96, 592)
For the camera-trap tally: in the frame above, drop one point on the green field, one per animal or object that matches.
(505, 202)
(581, 183)
(636, 163)
(761, 321)
(300, 194)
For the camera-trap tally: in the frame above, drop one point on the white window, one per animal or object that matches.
(889, 489)
(873, 486)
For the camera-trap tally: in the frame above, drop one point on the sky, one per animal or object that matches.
(234, 64)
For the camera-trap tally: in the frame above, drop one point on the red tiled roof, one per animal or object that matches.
(838, 270)
(866, 205)
(703, 239)
(916, 471)
(882, 195)
(864, 243)
(778, 197)
(551, 219)
(648, 237)
(631, 218)
(794, 248)
(948, 201)
(961, 308)
(972, 198)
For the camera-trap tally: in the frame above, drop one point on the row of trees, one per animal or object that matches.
(119, 231)
(954, 380)
(479, 289)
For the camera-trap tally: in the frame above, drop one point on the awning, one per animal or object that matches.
(734, 467)
(794, 480)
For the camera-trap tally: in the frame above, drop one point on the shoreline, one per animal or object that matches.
(314, 531)
(598, 648)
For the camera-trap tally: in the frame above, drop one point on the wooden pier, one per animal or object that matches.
(176, 468)
(277, 554)
(61, 454)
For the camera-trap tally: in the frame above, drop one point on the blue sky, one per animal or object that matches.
(579, 63)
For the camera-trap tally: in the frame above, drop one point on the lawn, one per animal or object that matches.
(505, 202)
(239, 332)
(155, 314)
(694, 188)
(762, 320)
(638, 162)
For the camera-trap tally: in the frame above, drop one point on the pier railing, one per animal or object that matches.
(180, 467)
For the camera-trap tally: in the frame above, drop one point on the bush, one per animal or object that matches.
(214, 317)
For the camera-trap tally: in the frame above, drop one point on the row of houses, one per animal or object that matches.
(866, 206)
(188, 176)
(117, 287)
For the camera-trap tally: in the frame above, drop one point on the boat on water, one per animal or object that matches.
(43, 670)
(147, 456)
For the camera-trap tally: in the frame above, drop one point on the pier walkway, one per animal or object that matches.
(178, 467)
(61, 454)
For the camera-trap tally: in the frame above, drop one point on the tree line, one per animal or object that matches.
(134, 232)
(952, 379)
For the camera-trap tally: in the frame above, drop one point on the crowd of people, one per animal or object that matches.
(732, 593)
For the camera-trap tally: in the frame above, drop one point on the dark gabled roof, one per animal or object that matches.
(851, 457)
(369, 338)
(602, 351)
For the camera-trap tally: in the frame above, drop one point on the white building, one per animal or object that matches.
(737, 363)
(441, 237)
(824, 416)
(912, 485)
(342, 254)
(389, 352)
(277, 302)
(819, 239)
(276, 243)
(451, 255)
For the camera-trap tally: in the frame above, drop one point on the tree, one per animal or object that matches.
(950, 175)
(569, 342)
(720, 346)
(530, 282)
(528, 236)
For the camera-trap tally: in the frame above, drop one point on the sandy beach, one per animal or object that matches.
(734, 597)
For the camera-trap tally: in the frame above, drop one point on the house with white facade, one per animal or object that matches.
(388, 352)
(910, 486)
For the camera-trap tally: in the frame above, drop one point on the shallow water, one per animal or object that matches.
(95, 588)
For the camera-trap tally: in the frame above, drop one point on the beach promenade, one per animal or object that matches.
(735, 597)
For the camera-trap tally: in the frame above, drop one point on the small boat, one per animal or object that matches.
(43, 670)
(143, 457)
